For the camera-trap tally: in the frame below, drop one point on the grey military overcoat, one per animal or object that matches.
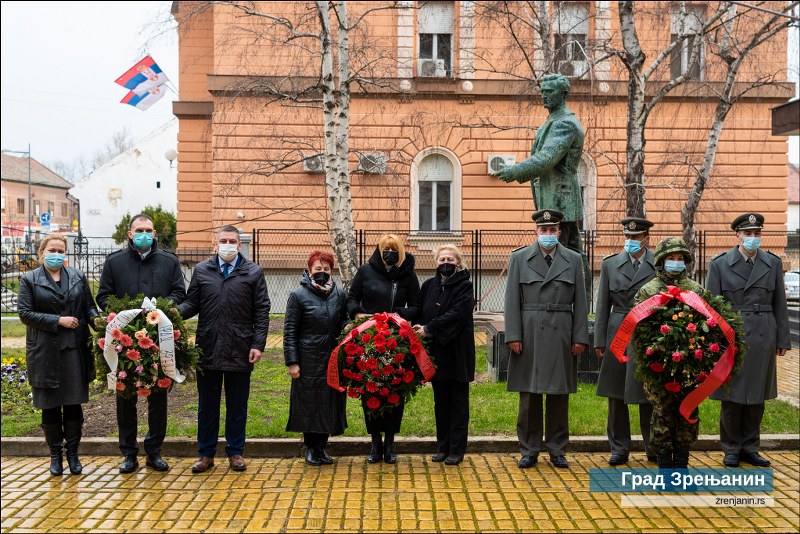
(619, 282)
(546, 310)
(760, 297)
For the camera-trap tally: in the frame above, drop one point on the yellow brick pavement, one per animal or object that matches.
(487, 493)
(789, 376)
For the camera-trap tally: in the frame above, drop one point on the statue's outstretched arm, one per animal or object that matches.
(555, 147)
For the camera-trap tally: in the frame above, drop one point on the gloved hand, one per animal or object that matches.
(507, 174)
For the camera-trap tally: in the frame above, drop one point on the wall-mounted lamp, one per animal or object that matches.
(171, 154)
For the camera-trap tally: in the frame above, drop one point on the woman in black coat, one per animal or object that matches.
(56, 305)
(315, 316)
(447, 304)
(387, 283)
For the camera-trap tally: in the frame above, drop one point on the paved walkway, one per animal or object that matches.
(487, 493)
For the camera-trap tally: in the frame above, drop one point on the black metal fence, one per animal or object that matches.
(283, 254)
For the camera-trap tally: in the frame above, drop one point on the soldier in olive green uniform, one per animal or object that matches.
(671, 434)
(752, 280)
(546, 328)
(621, 276)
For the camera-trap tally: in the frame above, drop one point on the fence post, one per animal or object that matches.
(255, 246)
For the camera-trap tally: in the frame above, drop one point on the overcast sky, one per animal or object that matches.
(59, 63)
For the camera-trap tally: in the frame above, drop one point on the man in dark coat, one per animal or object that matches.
(621, 276)
(230, 295)
(447, 304)
(546, 329)
(752, 280)
(146, 269)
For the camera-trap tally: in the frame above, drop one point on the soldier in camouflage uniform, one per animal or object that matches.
(671, 434)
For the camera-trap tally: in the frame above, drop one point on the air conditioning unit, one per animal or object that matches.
(574, 68)
(314, 164)
(372, 163)
(432, 68)
(496, 162)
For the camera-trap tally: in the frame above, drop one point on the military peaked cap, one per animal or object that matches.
(546, 217)
(635, 225)
(748, 221)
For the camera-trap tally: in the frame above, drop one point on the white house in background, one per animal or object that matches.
(128, 183)
(793, 214)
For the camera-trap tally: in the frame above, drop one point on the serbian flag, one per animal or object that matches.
(145, 100)
(142, 76)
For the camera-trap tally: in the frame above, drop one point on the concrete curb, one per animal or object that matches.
(349, 446)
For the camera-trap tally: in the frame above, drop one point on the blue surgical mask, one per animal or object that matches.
(143, 240)
(54, 260)
(751, 244)
(632, 246)
(674, 266)
(548, 241)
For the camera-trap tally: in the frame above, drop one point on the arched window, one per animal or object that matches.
(587, 176)
(435, 191)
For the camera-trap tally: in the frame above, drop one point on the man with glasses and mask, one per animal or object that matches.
(143, 268)
(229, 293)
(546, 329)
(621, 276)
(752, 279)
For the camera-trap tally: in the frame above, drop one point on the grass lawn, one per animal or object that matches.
(493, 411)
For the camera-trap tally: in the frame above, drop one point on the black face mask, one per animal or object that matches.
(446, 269)
(391, 257)
(321, 278)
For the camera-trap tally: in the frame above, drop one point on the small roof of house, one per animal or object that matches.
(15, 169)
(794, 184)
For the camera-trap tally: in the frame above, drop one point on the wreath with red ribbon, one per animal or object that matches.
(381, 360)
(685, 343)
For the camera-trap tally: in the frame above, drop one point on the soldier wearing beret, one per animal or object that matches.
(621, 276)
(752, 279)
(546, 329)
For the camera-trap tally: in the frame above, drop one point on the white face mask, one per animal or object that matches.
(227, 251)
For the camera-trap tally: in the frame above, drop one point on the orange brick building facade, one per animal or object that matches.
(438, 113)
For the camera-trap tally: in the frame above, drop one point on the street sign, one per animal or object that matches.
(45, 218)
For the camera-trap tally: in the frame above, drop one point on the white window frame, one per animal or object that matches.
(455, 190)
(572, 19)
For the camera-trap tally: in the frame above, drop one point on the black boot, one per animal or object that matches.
(665, 460)
(388, 450)
(312, 457)
(680, 459)
(73, 430)
(377, 449)
(54, 437)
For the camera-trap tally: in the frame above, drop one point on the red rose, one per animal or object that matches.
(143, 392)
(702, 377)
(665, 329)
(408, 377)
(373, 403)
(372, 363)
(352, 393)
(120, 386)
(415, 347)
(361, 364)
(656, 367)
(387, 369)
(677, 356)
(360, 350)
(380, 347)
(351, 348)
(164, 383)
(406, 331)
(349, 360)
(649, 351)
(391, 344)
(376, 374)
(673, 387)
(347, 373)
(691, 327)
(711, 322)
(384, 392)
(714, 347)
(394, 398)
(365, 338)
(176, 335)
(396, 381)
(698, 354)
(379, 340)
(384, 331)
(357, 377)
(398, 358)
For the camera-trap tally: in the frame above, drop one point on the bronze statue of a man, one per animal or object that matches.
(555, 155)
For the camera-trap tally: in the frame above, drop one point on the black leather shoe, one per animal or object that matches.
(559, 461)
(375, 454)
(753, 458)
(526, 462)
(312, 457)
(731, 460)
(454, 459)
(129, 465)
(439, 457)
(156, 463)
(618, 459)
(323, 456)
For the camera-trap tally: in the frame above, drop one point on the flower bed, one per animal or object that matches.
(380, 360)
(139, 333)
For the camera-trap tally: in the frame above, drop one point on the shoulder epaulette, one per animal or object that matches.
(609, 256)
(718, 255)
(773, 254)
(519, 248)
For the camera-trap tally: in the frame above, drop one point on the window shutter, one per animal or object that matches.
(435, 17)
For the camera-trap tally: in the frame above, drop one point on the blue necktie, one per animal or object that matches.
(226, 270)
